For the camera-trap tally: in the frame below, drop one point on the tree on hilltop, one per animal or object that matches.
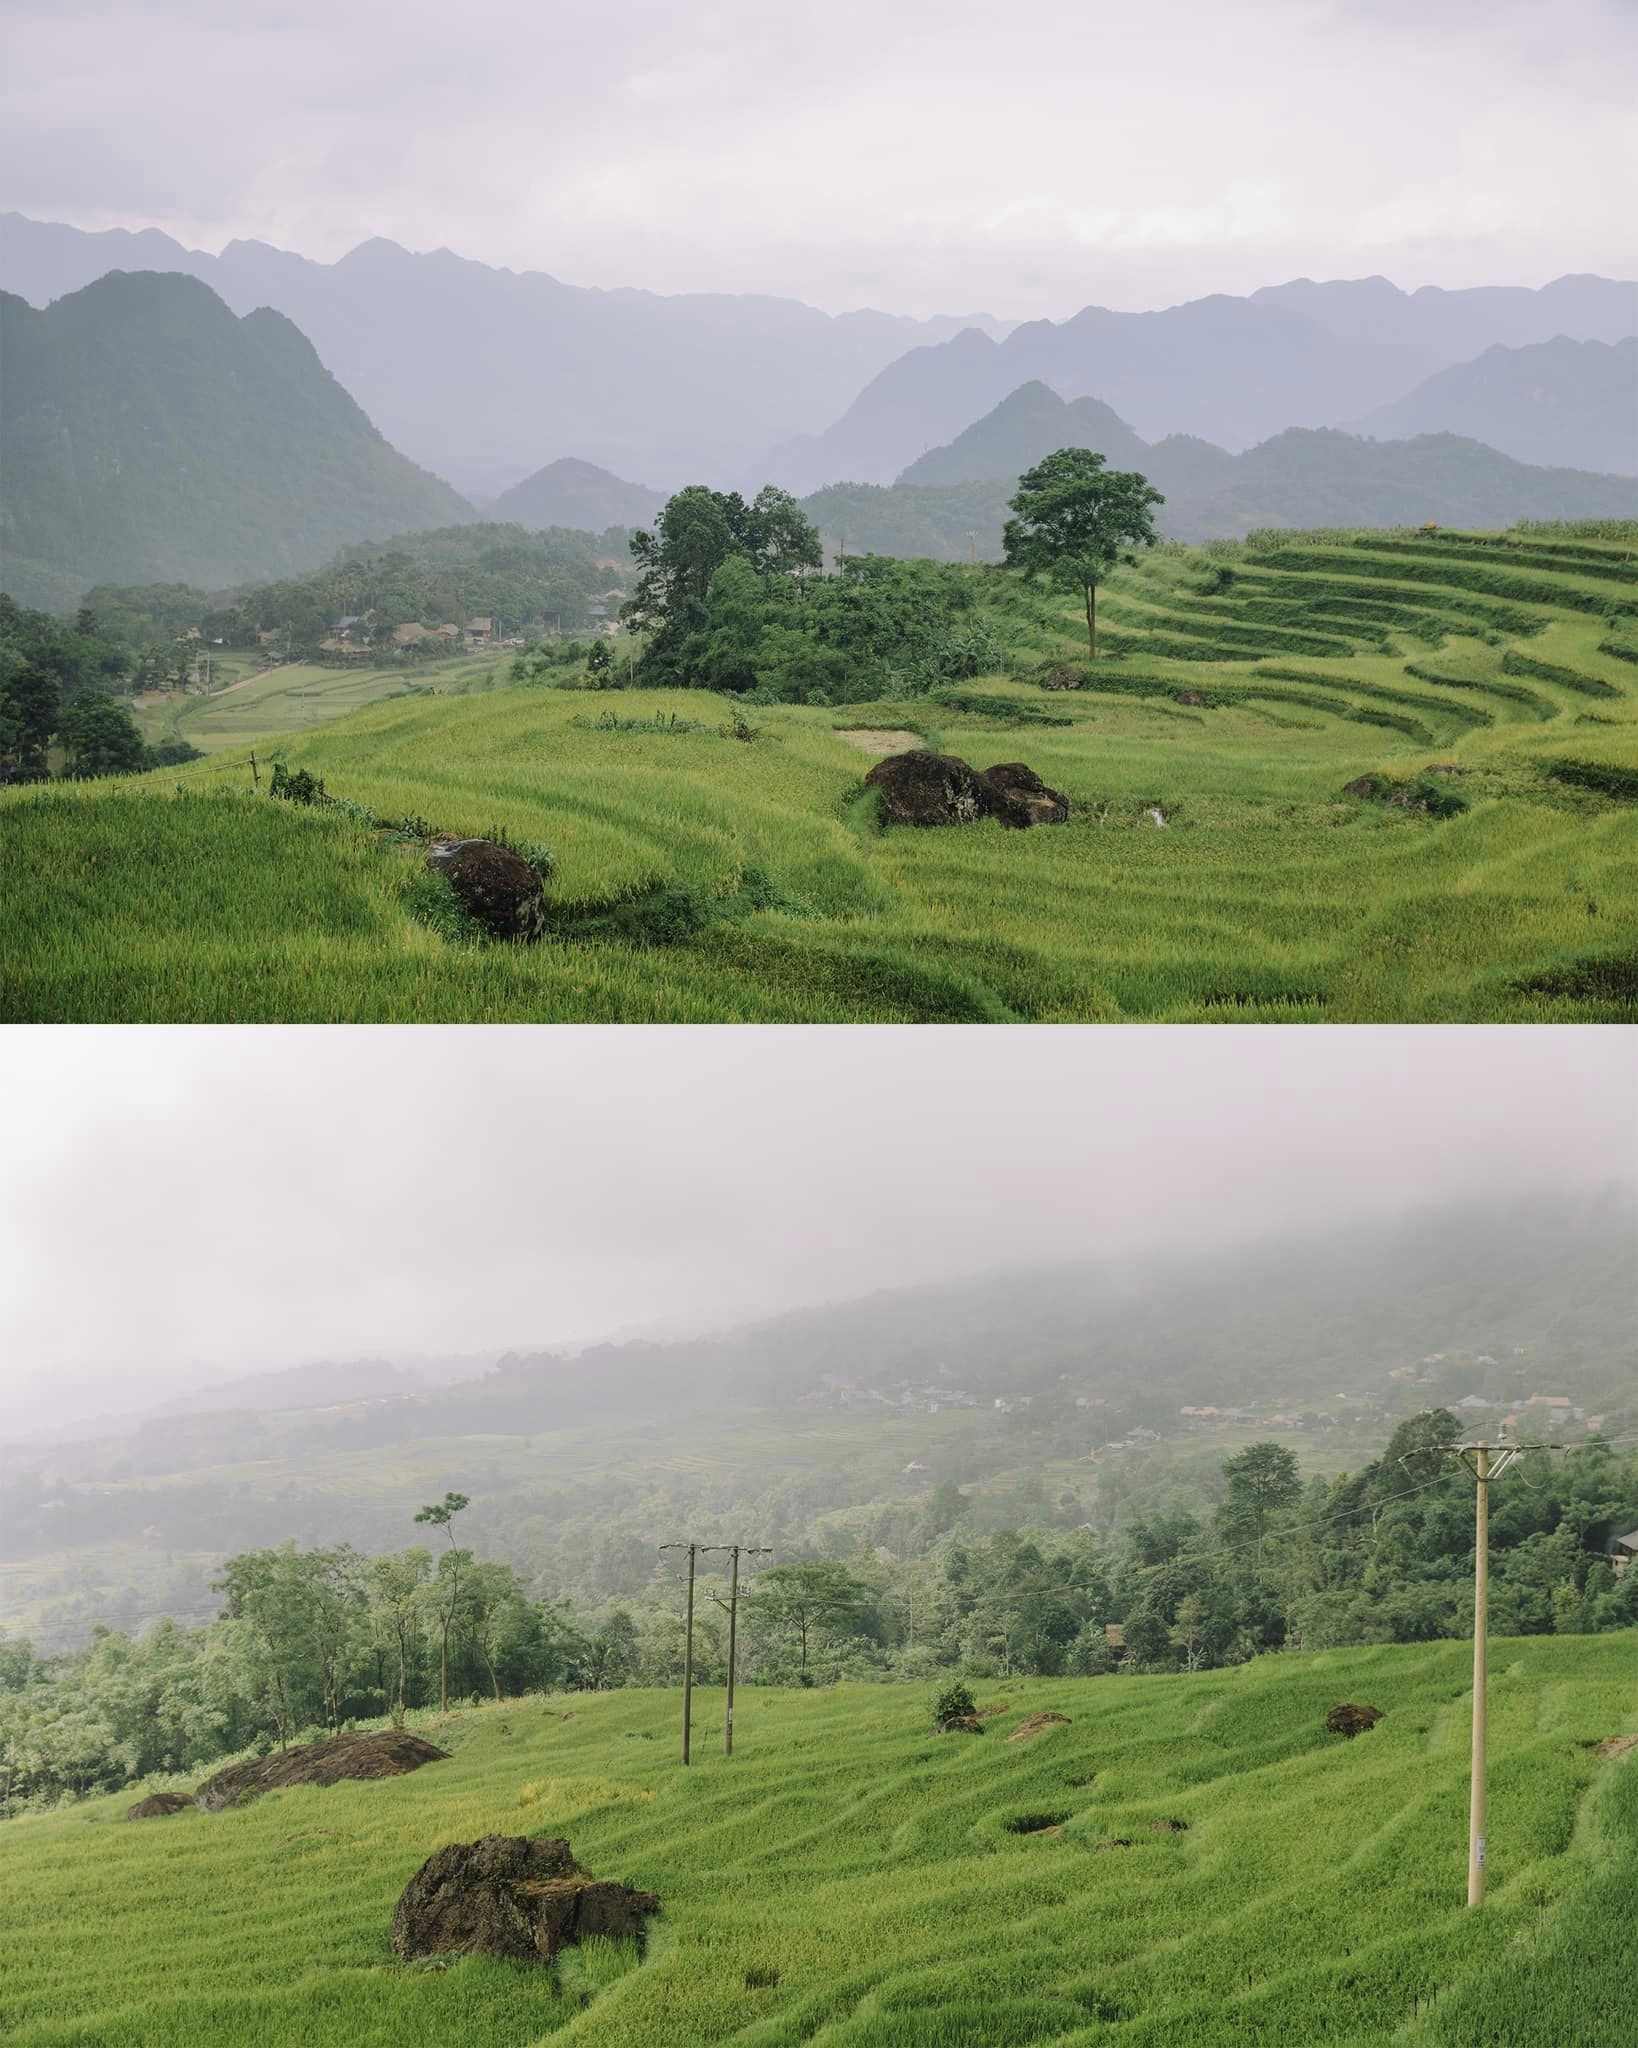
(1072, 518)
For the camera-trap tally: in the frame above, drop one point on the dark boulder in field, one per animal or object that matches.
(510, 1895)
(158, 1804)
(1066, 677)
(498, 886)
(1017, 796)
(1351, 1720)
(386, 1754)
(920, 788)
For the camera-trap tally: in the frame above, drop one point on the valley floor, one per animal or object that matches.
(852, 1880)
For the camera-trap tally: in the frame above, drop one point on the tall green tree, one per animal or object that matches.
(1072, 520)
(101, 738)
(809, 1603)
(445, 1594)
(1262, 1479)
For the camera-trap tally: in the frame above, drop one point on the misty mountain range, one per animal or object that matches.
(483, 375)
(149, 435)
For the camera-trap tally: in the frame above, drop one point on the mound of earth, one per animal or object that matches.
(921, 788)
(1037, 1724)
(510, 1895)
(498, 886)
(1614, 1747)
(158, 1804)
(1351, 1720)
(1167, 1827)
(1114, 1842)
(961, 1724)
(1016, 795)
(1191, 697)
(1068, 677)
(387, 1754)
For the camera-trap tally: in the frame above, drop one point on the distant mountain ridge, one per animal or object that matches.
(954, 499)
(485, 374)
(1231, 371)
(578, 494)
(1573, 403)
(150, 436)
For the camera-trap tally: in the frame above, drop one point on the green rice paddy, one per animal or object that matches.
(1212, 869)
(851, 1880)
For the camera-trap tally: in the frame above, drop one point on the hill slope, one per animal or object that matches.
(148, 436)
(852, 1880)
(953, 500)
(577, 494)
(1573, 403)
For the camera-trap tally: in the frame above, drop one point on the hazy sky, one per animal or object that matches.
(180, 1204)
(920, 155)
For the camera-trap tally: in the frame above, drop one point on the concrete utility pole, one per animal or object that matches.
(1485, 1462)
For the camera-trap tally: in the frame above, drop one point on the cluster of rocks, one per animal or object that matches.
(923, 788)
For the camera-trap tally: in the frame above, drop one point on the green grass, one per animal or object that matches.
(851, 1880)
(703, 879)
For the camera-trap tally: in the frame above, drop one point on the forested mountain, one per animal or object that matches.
(953, 500)
(1568, 402)
(1233, 371)
(149, 436)
(484, 374)
(569, 492)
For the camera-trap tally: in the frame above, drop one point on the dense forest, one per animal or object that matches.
(312, 1640)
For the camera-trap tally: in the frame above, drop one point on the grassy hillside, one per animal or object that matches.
(700, 878)
(851, 1880)
(148, 436)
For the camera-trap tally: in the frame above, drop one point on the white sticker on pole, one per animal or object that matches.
(1478, 1852)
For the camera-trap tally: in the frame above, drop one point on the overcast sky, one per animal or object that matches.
(181, 1204)
(919, 155)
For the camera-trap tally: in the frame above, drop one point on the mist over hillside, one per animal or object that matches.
(1323, 1337)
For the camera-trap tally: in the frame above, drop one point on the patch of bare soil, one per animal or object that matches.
(1036, 1724)
(1351, 1720)
(390, 1753)
(870, 740)
(989, 1713)
(1614, 1747)
(511, 1895)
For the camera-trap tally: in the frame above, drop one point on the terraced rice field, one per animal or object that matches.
(1213, 868)
(851, 1880)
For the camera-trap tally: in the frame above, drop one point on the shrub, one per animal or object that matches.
(954, 1701)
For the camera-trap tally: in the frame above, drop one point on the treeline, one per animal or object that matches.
(309, 1641)
(732, 597)
(529, 582)
(57, 685)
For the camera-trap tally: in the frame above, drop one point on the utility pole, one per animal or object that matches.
(735, 1552)
(688, 1643)
(1485, 1462)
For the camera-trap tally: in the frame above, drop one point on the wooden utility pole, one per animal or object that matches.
(731, 1607)
(693, 1550)
(688, 1656)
